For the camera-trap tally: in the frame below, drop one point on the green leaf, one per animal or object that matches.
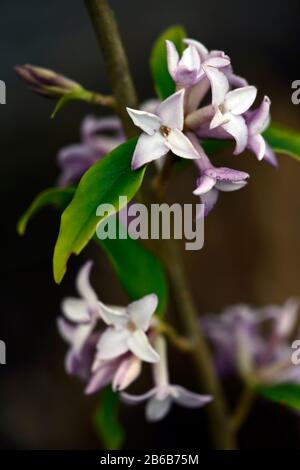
(283, 140)
(56, 197)
(138, 270)
(285, 394)
(79, 94)
(163, 82)
(106, 421)
(103, 183)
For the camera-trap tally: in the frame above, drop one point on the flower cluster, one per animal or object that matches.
(108, 345)
(255, 343)
(181, 122)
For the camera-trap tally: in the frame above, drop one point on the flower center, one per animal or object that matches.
(164, 130)
(131, 326)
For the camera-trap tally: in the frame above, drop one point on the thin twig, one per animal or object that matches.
(243, 409)
(160, 181)
(222, 433)
(115, 58)
(183, 344)
(102, 100)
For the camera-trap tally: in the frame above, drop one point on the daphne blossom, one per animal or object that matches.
(255, 343)
(188, 70)
(226, 116)
(107, 343)
(127, 330)
(160, 398)
(162, 132)
(211, 180)
(207, 57)
(80, 319)
(257, 122)
(229, 107)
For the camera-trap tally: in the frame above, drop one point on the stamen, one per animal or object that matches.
(165, 131)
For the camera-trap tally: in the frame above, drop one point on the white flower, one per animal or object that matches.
(162, 132)
(229, 106)
(127, 330)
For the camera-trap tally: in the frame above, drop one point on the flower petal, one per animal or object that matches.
(81, 335)
(259, 119)
(227, 186)
(209, 200)
(91, 126)
(150, 105)
(189, 67)
(238, 101)
(217, 61)
(138, 344)
(66, 330)
(287, 318)
(235, 80)
(158, 409)
(270, 157)
(202, 50)
(75, 310)
(219, 119)
(148, 122)
(112, 343)
(238, 129)
(136, 399)
(102, 377)
(219, 84)
(148, 148)
(190, 59)
(189, 399)
(172, 58)
(204, 184)
(111, 315)
(141, 311)
(195, 94)
(171, 111)
(180, 145)
(83, 284)
(257, 144)
(128, 371)
(227, 174)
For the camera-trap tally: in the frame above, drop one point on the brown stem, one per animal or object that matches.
(160, 181)
(223, 435)
(115, 58)
(243, 409)
(102, 100)
(108, 35)
(178, 341)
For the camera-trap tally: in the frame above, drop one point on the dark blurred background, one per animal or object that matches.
(251, 252)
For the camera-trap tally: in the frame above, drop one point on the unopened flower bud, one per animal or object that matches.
(46, 82)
